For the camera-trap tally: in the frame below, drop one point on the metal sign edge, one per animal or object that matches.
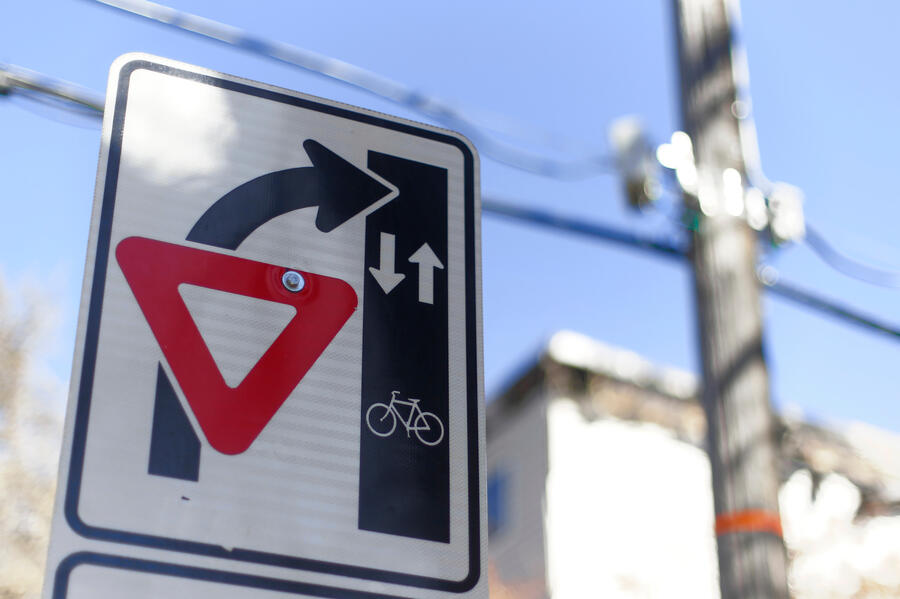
(90, 312)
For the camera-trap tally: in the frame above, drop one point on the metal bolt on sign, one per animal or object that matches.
(293, 281)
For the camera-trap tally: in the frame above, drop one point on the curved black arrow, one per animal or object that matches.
(338, 188)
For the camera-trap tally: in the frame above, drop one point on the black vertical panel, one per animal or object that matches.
(404, 484)
(174, 446)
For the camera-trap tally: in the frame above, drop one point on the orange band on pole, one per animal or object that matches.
(748, 521)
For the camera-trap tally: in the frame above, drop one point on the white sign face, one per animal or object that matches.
(277, 380)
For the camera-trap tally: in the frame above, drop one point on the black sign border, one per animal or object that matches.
(118, 562)
(95, 306)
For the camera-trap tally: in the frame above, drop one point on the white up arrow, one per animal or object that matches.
(427, 262)
(385, 274)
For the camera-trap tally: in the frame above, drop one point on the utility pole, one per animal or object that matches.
(752, 558)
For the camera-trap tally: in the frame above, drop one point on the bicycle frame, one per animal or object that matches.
(414, 410)
(427, 426)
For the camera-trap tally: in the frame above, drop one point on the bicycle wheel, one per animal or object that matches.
(380, 419)
(429, 428)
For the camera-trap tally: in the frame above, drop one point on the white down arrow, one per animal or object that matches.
(385, 274)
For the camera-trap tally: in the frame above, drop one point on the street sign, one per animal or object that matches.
(277, 381)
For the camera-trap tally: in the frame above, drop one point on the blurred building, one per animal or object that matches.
(598, 485)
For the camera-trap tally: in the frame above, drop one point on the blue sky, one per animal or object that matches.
(825, 85)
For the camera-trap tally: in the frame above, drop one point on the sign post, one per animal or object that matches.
(277, 383)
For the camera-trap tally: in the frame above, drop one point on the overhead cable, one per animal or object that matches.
(742, 109)
(846, 265)
(56, 110)
(13, 78)
(541, 218)
(436, 108)
(798, 295)
(768, 279)
(545, 219)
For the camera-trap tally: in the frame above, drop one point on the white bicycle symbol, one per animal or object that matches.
(382, 419)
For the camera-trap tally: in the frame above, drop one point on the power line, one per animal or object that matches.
(769, 279)
(846, 265)
(55, 109)
(790, 291)
(436, 108)
(659, 247)
(13, 79)
(503, 152)
(595, 230)
(757, 178)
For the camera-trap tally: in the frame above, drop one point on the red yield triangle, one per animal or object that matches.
(231, 418)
